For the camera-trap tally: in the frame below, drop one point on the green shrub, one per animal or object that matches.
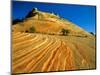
(92, 33)
(31, 29)
(64, 31)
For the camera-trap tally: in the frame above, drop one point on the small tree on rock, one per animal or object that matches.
(92, 33)
(31, 29)
(64, 31)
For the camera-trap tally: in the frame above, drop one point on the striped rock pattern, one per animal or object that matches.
(44, 53)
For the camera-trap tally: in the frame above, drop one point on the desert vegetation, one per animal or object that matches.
(64, 31)
(92, 33)
(32, 29)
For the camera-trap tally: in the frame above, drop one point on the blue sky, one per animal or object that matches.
(81, 15)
